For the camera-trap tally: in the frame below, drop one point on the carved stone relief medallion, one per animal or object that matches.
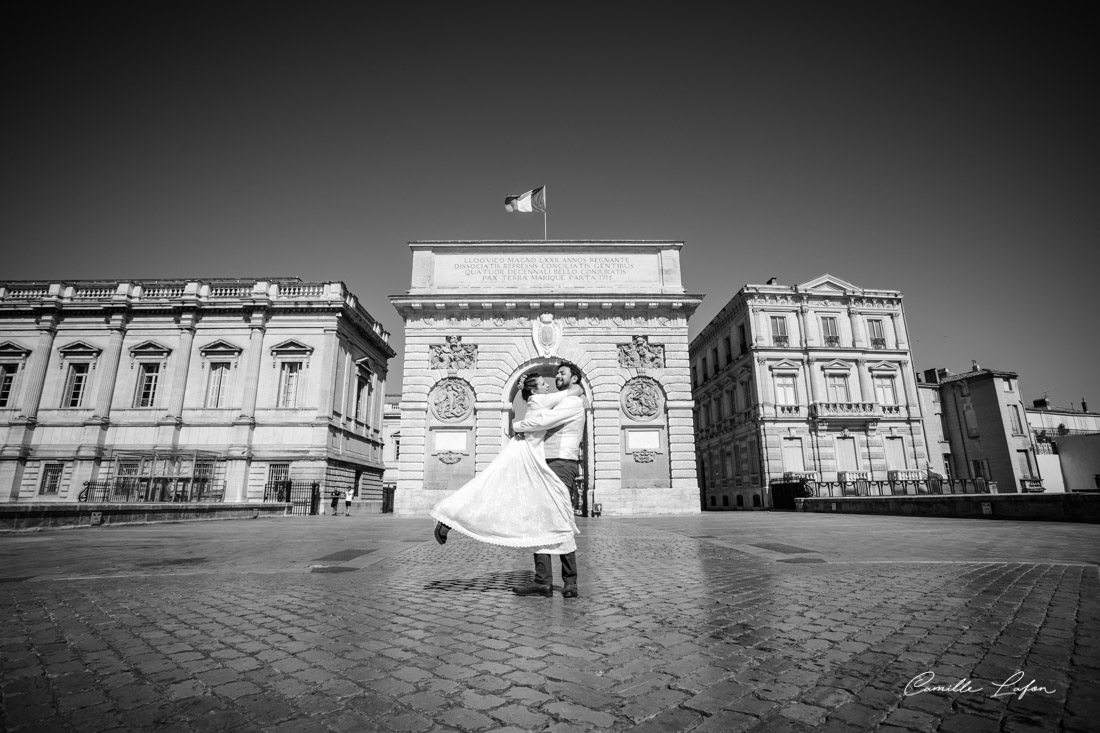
(452, 400)
(641, 399)
(639, 354)
(453, 354)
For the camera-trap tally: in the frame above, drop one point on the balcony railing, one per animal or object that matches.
(788, 410)
(905, 475)
(878, 343)
(1031, 485)
(832, 340)
(843, 409)
(156, 490)
(801, 476)
(780, 341)
(926, 486)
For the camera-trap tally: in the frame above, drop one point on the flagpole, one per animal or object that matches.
(544, 213)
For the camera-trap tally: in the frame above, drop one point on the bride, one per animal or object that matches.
(517, 501)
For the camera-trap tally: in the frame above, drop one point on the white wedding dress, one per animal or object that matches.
(517, 501)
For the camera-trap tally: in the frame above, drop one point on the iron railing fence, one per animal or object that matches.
(922, 487)
(158, 490)
(305, 496)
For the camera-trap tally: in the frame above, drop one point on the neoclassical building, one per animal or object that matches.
(481, 314)
(812, 380)
(188, 389)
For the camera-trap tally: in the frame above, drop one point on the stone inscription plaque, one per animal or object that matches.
(530, 272)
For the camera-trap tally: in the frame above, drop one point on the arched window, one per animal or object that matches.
(712, 501)
(756, 500)
(740, 500)
(725, 501)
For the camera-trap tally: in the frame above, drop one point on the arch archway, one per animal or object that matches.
(512, 408)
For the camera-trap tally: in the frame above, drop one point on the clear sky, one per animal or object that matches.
(946, 150)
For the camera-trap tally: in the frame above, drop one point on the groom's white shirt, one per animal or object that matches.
(568, 417)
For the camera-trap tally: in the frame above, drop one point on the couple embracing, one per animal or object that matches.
(522, 498)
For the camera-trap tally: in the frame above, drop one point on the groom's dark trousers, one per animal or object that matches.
(567, 471)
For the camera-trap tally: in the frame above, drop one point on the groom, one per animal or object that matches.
(565, 428)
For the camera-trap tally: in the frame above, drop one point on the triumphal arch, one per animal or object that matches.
(481, 314)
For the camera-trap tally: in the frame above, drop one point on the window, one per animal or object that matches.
(289, 374)
(712, 500)
(7, 382)
(51, 477)
(278, 472)
(980, 467)
(362, 393)
(886, 391)
(1007, 382)
(846, 457)
(878, 336)
(703, 367)
(971, 421)
(786, 392)
(725, 500)
(793, 457)
(217, 383)
(743, 343)
(694, 376)
(729, 351)
(895, 454)
(714, 358)
(779, 330)
(836, 387)
(829, 331)
(1023, 460)
(396, 447)
(148, 374)
(1014, 418)
(75, 384)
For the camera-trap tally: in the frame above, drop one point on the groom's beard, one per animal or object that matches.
(559, 383)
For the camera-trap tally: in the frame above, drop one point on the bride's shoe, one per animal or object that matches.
(441, 533)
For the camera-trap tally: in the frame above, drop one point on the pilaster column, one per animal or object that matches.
(866, 388)
(257, 325)
(762, 332)
(899, 330)
(767, 391)
(183, 368)
(326, 401)
(36, 368)
(858, 338)
(812, 377)
(908, 386)
(806, 324)
(108, 368)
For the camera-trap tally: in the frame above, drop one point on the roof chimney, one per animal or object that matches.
(974, 365)
(1043, 403)
(1084, 405)
(771, 281)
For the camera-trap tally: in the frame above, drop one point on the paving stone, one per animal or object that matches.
(714, 637)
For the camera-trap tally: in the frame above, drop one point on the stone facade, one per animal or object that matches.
(480, 314)
(242, 379)
(807, 381)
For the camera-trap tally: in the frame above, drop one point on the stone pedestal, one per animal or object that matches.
(480, 315)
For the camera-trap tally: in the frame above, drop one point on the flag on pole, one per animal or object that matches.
(534, 200)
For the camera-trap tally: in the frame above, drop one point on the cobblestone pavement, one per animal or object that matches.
(720, 622)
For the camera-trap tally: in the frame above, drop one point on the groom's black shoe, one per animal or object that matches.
(533, 589)
(570, 591)
(441, 532)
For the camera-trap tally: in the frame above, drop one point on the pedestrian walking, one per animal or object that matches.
(335, 504)
(347, 503)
